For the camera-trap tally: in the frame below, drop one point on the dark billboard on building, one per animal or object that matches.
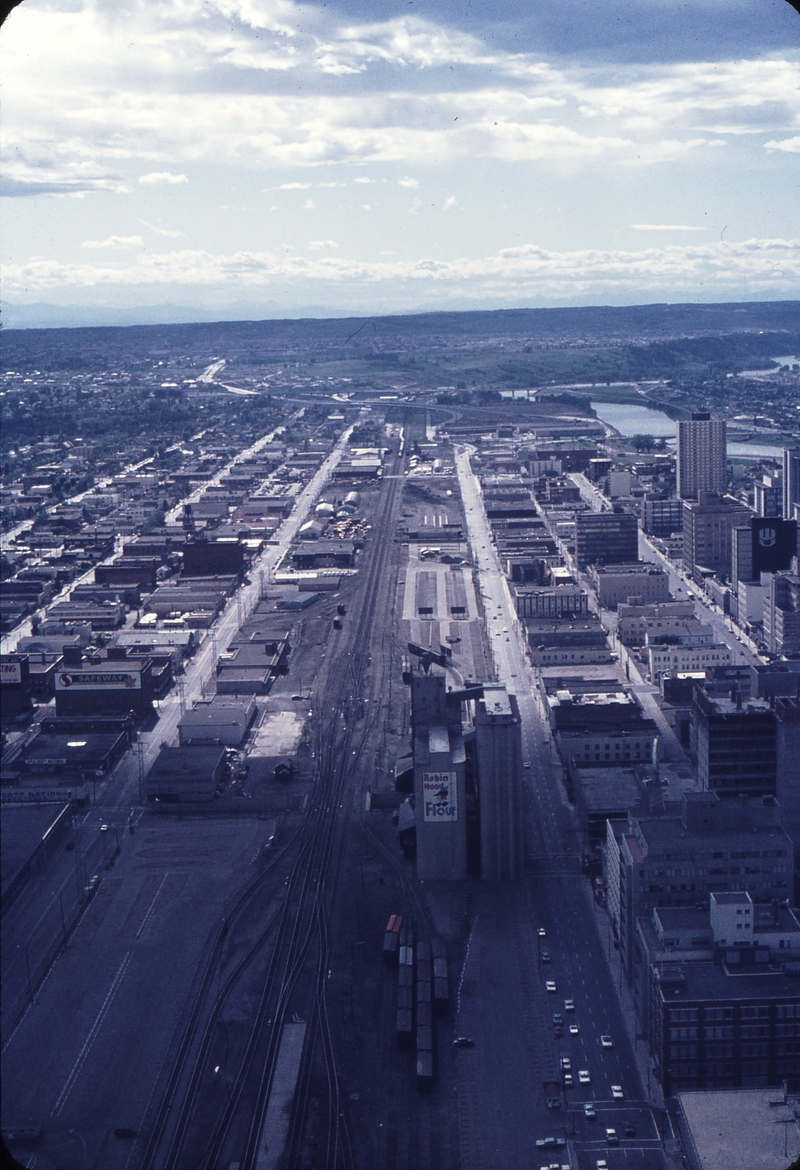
(774, 544)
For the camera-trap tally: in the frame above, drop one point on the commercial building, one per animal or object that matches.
(708, 523)
(615, 583)
(207, 558)
(679, 860)
(600, 727)
(606, 538)
(662, 517)
(569, 640)
(734, 744)
(702, 456)
(738, 1128)
(782, 614)
(766, 545)
(769, 933)
(680, 652)
(186, 774)
(15, 686)
(104, 688)
(551, 601)
(724, 1025)
(635, 622)
(768, 496)
(791, 483)
(321, 554)
(219, 720)
(787, 788)
(71, 757)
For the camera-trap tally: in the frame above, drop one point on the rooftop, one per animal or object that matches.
(742, 1129)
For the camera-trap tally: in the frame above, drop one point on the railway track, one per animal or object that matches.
(188, 1134)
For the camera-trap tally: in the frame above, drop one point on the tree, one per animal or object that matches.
(643, 442)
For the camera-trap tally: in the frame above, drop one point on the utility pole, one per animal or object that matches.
(140, 755)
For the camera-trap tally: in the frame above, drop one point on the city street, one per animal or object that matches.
(559, 904)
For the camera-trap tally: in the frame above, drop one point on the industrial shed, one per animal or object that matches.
(182, 774)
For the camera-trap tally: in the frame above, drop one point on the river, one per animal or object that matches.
(630, 419)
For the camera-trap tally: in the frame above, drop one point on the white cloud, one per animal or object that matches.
(363, 179)
(406, 182)
(449, 203)
(666, 227)
(291, 187)
(309, 205)
(170, 233)
(162, 178)
(526, 270)
(790, 145)
(207, 80)
(319, 245)
(116, 242)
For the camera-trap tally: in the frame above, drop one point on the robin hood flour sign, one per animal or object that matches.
(440, 796)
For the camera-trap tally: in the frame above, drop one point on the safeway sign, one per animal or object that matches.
(440, 796)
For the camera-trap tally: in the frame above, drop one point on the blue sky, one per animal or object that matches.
(267, 157)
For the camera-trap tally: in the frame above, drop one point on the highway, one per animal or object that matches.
(561, 905)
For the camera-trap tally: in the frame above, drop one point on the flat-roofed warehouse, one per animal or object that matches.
(222, 720)
(72, 756)
(186, 774)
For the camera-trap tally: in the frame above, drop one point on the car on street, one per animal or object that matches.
(463, 1042)
(601, 1164)
(542, 932)
(550, 1143)
(568, 1082)
(550, 986)
(569, 1005)
(527, 764)
(606, 1042)
(573, 1029)
(558, 1018)
(566, 1063)
(545, 956)
(611, 1136)
(617, 1093)
(583, 1077)
(588, 1110)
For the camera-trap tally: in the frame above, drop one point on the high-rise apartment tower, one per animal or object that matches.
(702, 455)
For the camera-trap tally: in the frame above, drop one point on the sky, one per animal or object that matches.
(173, 159)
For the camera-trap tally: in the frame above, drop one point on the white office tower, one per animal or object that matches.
(791, 482)
(702, 456)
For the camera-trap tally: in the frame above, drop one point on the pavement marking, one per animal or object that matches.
(90, 1039)
(151, 907)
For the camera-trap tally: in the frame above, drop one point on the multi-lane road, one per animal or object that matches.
(569, 949)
